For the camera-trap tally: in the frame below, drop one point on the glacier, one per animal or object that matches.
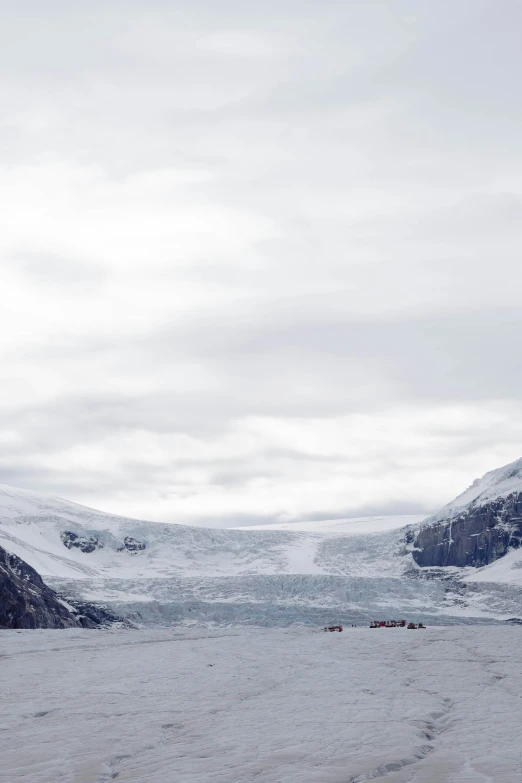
(348, 571)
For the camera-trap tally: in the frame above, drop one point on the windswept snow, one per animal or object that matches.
(436, 706)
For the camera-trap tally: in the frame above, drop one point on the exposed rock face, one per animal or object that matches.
(92, 615)
(477, 536)
(26, 602)
(84, 543)
(132, 545)
(90, 543)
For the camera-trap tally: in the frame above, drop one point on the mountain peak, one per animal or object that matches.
(497, 483)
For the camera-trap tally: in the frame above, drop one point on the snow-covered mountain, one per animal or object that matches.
(499, 483)
(312, 572)
(64, 539)
(482, 528)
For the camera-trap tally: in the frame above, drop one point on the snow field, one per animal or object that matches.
(275, 706)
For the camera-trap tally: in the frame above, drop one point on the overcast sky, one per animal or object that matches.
(259, 261)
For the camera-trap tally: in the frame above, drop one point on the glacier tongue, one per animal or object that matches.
(153, 572)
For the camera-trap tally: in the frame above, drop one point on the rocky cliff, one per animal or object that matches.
(26, 602)
(476, 537)
(477, 528)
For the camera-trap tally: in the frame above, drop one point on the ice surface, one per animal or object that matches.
(295, 706)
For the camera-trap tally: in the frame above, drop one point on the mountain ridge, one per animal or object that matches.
(482, 525)
(501, 482)
(26, 602)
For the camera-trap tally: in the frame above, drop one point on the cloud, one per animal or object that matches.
(259, 262)
(55, 270)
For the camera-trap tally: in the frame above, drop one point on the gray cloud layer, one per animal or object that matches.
(259, 261)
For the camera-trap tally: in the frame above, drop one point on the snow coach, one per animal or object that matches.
(332, 628)
(387, 623)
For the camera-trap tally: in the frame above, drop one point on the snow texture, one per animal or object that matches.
(441, 705)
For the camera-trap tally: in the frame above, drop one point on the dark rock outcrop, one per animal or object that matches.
(83, 543)
(94, 615)
(476, 537)
(132, 545)
(26, 602)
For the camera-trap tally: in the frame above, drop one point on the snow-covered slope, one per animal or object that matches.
(499, 483)
(64, 539)
(507, 570)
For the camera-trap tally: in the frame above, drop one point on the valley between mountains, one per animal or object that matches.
(462, 565)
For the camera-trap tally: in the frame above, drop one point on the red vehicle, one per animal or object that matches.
(333, 628)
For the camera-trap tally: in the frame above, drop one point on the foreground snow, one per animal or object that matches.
(294, 706)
